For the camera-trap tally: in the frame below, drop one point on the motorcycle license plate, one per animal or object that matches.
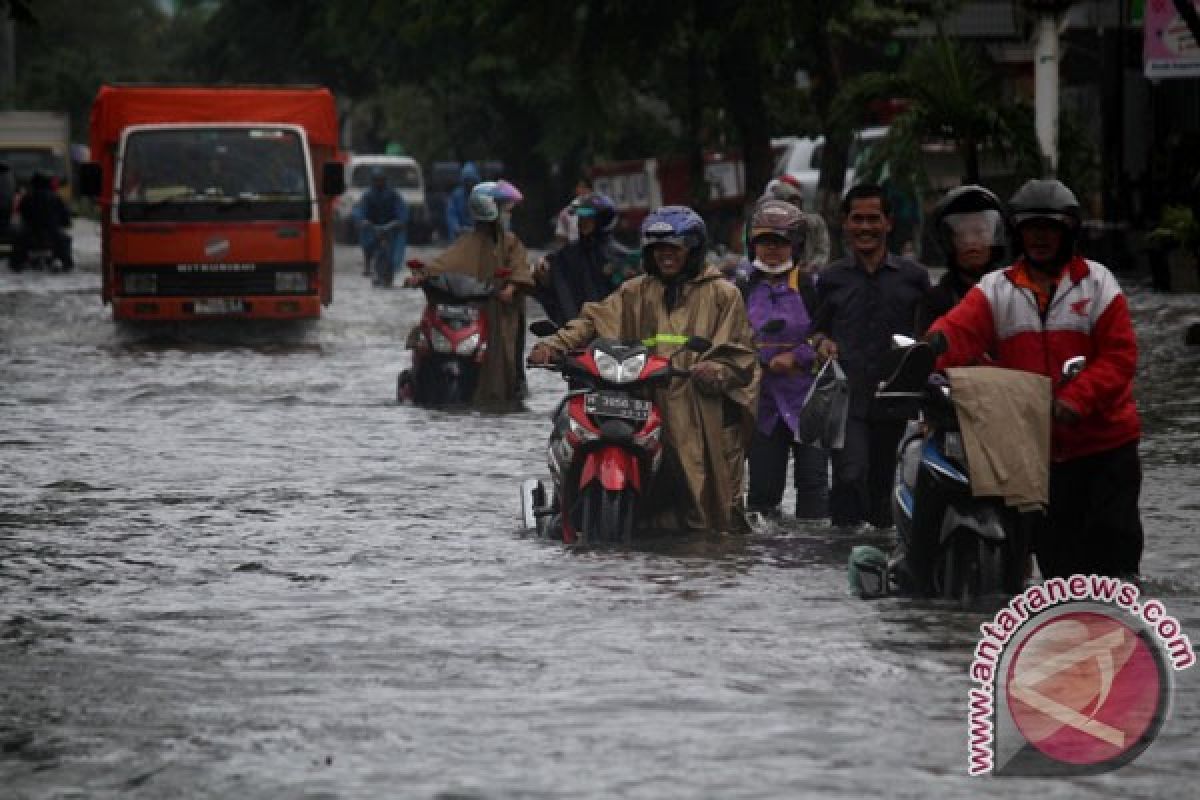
(218, 305)
(458, 313)
(617, 405)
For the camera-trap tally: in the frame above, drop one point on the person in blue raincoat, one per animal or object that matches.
(458, 216)
(379, 206)
(778, 311)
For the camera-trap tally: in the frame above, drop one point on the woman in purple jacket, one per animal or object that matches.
(778, 298)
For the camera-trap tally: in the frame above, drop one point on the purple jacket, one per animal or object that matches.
(781, 396)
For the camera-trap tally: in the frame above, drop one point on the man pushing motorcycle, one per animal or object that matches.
(1051, 306)
(708, 418)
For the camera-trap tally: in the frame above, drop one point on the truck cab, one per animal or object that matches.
(215, 208)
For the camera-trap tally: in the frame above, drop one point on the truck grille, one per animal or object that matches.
(211, 280)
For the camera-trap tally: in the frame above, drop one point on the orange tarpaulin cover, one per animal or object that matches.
(117, 107)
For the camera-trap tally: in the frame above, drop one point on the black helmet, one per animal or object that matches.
(599, 207)
(971, 213)
(1050, 201)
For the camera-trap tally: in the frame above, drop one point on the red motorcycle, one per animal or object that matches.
(451, 340)
(606, 445)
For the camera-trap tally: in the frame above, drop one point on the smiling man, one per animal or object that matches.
(862, 300)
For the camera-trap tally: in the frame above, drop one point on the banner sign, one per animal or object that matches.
(1170, 49)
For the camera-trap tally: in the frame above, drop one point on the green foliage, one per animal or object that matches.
(952, 95)
(1178, 228)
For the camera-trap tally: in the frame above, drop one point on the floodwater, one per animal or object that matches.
(232, 566)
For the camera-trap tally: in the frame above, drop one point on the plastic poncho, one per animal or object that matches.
(481, 255)
(705, 435)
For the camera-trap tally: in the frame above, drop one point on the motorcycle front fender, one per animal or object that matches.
(615, 467)
(985, 520)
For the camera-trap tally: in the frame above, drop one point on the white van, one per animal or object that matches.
(801, 159)
(404, 175)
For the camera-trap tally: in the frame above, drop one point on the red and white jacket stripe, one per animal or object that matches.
(1088, 316)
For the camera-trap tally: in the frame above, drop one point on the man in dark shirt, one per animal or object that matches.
(864, 299)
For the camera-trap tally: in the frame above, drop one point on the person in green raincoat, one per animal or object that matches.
(709, 418)
(491, 252)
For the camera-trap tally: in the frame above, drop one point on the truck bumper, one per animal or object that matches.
(199, 308)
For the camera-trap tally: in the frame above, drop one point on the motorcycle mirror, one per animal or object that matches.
(900, 341)
(773, 326)
(1072, 367)
(543, 328)
(698, 344)
(333, 178)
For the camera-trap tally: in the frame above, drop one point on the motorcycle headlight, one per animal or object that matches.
(468, 346)
(440, 342)
(615, 371)
(291, 282)
(140, 283)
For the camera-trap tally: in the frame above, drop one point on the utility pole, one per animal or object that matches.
(1047, 17)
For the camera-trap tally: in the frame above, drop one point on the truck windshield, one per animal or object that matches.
(214, 174)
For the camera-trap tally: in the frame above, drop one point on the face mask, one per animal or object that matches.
(779, 270)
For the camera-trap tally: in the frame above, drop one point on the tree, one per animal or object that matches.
(951, 94)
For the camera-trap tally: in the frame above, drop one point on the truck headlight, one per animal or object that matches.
(140, 283)
(291, 282)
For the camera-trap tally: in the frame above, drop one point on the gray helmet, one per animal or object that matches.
(1049, 201)
(481, 203)
(1045, 199)
(777, 218)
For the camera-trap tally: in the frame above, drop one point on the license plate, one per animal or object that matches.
(219, 305)
(458, 313)
(617, 405)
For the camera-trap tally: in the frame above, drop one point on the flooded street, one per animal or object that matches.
(231, 566)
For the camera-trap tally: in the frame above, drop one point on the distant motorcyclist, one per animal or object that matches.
(379, 206)
(709, 418)
(970, 227)
(491, 252)
(1048, 307)
(588, 269)
(43, 219)
(458, 215)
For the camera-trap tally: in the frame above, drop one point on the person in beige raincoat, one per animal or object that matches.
(491, 252)
(709, 418)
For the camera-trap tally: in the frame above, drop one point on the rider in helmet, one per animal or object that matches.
(778, 297)
(587, 269)
(815, 254)
(379, 206)
(1048, 307)
(708, 418)
(458, 217)
(970, 228)
(43, 219)
(491, 252)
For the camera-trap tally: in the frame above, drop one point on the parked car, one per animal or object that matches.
(404, 175)
(801, 159)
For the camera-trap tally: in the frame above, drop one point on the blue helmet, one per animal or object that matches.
(677, 225)
(599, 207)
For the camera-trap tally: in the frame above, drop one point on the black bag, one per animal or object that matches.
(822, 421)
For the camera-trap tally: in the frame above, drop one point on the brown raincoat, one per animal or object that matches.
(706, 434)
(481, 256)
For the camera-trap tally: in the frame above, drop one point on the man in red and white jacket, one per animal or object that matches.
(1052, 305)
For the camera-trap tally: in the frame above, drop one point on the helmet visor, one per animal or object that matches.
(976, 229)
(1052, 217)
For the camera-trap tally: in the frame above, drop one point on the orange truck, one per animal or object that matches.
(215, 202)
